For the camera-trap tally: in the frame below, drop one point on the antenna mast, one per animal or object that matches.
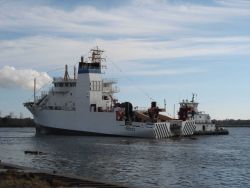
(74, 72)
(96, 56)
(193, 96)
(34, 90)
(66, 74)
(174, 112)
(165, 105)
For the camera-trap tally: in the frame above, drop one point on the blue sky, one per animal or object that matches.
(159, 49)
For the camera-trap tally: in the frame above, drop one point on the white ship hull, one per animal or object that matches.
(73, 122)
(105, 124)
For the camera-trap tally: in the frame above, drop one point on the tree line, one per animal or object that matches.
(16, 122)
(232, 122)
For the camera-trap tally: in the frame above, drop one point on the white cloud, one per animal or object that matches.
(232, 3)
(22, 78)
(140, 30)
(83, 20)
(41, 52)
(48, 53)
(131, 50)
(138, 19)
(165, 72)
(140, 36)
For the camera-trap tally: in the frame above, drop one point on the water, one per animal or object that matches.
(208, 161)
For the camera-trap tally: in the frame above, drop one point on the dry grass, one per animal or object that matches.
(14, 179)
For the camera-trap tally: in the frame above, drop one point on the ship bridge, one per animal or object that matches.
(66, 83)
(94, 66)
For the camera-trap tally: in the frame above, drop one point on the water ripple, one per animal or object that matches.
(209, 161)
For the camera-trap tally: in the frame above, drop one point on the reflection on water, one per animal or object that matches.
(209, 161)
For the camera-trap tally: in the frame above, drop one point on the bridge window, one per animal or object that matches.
(72, 84)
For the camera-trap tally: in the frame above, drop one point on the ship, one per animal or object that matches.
(203, 124)
(86, 105)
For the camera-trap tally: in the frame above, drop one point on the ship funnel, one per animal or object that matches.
(153, 104)
(81, 59)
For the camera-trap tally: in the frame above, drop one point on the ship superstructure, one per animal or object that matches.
(86, 104)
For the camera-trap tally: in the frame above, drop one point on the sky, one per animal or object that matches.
(157, 49)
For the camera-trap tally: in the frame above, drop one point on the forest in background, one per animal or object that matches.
(16, 122)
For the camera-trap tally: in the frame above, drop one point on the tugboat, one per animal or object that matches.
(86, 105)
(203, 124)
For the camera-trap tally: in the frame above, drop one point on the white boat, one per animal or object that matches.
(86, 105)
(203, 124)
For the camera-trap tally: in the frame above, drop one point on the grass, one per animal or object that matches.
(15, 179)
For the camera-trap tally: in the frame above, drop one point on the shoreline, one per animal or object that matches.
(12, 175)
(8, 122)
(33, 126)
(235, 126)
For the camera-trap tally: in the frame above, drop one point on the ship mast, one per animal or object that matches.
(74, 72)
(96, 56)
(34, 90)
(165, 105)
(66, 74)
(193, 96)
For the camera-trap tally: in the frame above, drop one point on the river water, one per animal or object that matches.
(205, 161)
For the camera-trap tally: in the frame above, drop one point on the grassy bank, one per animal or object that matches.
(12, 178)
